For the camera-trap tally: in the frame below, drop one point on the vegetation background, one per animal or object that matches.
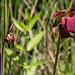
(34, 49)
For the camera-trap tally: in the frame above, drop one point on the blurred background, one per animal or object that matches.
(34, 49)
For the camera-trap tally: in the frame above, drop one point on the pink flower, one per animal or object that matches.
(9, 38)
(66, 21)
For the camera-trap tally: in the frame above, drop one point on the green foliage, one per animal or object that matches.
(19, 12)
(34, 19)
(27, 15)
(24, 26)
(19, 47)
(32, 69)
(18, 25)
(16, 58)
(37, 63)
(34, 41)
(8, 51)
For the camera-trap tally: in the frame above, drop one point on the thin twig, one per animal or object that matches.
(22, 13)
(11, 10)
(30, 2)
(2, 60)
(56, 56)
(28, 5)
(71, 3)
(34, 8)
(51, 55)
(5, 16)
(43, 21)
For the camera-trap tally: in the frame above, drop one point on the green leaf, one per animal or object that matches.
(8, 51)
(34, 19)
(19, 47)
(16, 58)
(25, 27)
(34, 41)
(31, 71)
(18, 25)
(27, 14)
(37, 63)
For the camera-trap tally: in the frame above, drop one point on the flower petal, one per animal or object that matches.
(63, 20)
(71, 12)
(54, 30)
(71, 24)
(57, 21)
(63, 32)
(59, 14)
(71, 9)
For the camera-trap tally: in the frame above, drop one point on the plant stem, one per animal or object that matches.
(26, 57)
(26, 61)
(2, 60)
(56, 59)
(10, 28)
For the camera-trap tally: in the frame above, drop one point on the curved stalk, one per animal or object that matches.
(2, 60)
(3, 49)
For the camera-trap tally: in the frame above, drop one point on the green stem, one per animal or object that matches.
(2, 24)
(26, 57)
(2, 60)
(26, 61)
